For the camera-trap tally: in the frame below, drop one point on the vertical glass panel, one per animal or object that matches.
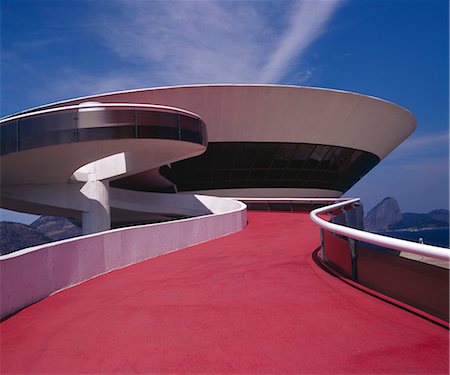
(8, 138)
(101, 124)
(418, 284)
(190, 129)
(106, 133)
(264, 155)
(47, 130)
(222, 156)
(154, 124)
(342, 158)
(246, 155)
(95, 118)
(319, 152)
(189, 123)
(240, 174)
(303, 151)
(47, 123)
(337, 253)
(155, 118)
(282, 165)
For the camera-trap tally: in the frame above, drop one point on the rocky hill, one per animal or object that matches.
(441, 215)
(386, 216)
(16, 236)
(414, 221)
(57, 228)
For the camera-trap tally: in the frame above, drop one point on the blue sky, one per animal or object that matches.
(393, 49)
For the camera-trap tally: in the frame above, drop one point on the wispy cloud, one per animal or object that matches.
(422, 145)
(416, 174)
(81, 84)
(307, 23)
(214, 41)
(429, 140)
(419, 184)
(139, 44)
(35, 44)
(187, 42)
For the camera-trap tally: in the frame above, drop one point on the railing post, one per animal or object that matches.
(352, 244)
(348, 219)
(322, 245)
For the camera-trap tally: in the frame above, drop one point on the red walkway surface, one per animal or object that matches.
(252, 302)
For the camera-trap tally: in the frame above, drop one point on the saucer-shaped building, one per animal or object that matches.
(262, 140)
(232, 290)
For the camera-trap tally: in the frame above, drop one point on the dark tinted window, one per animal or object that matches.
(89, 124)
(272, 164)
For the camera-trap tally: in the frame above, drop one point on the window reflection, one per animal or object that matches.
(68, 126)
(272, 164)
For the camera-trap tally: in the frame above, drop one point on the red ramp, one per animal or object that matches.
(252, 302)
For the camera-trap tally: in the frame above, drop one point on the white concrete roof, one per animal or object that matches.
(276, 113)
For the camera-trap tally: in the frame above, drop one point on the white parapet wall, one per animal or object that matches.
(32, 274)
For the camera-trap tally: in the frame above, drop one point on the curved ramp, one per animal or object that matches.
(60, 161)
(31, 274)
(50, 146)
(252, 302)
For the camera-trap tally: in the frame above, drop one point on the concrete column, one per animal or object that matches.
(97, 217)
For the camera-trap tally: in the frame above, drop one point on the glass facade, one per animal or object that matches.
(227, 165)
(415, 283)
(85, 125)
(385, 270)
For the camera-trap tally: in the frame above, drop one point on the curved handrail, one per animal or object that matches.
(377, 239)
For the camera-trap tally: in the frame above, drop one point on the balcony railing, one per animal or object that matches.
(286, 204)
(379, 262)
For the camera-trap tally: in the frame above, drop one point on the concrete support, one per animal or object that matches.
(89, 201)
(97, 217)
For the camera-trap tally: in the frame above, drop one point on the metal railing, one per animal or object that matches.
(376, 239)
(379, 262)
(286, 204)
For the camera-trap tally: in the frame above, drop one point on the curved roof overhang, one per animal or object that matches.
(275, 113)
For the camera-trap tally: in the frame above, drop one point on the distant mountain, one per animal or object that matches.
(16, 236)
(384, 214)
(56, 228)
(441, 215)
(414, 221)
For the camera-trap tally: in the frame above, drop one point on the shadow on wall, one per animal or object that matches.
(70, 262)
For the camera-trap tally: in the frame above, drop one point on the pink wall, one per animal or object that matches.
(32, 274)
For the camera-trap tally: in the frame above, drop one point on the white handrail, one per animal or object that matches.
(377, 239)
